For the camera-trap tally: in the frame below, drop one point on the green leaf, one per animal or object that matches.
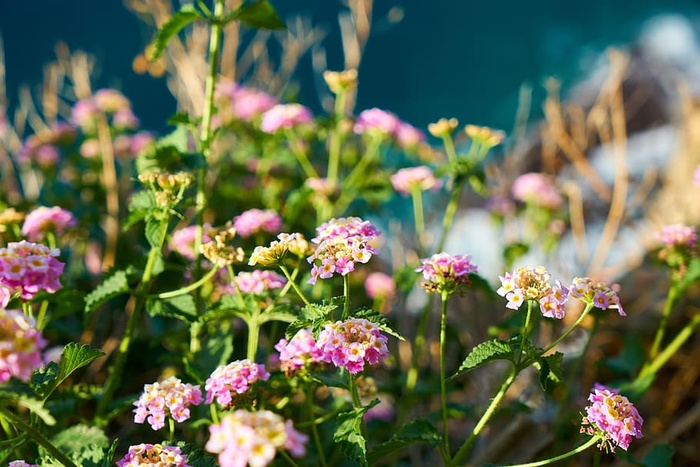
(554, 362)
(114, 284)
(348, 434)
(660, 455)
(284, 313)
(107, 460)
(543, 367)
(417, 431)
(37, 407)
(181, 307)
(172, 27)
(74, 356)
(197, 457)
(154, 231)
(631, 357)
(181, 118)
(692, 274)
(374, 316)
(258, 14)
(484, 353)
(217, 350)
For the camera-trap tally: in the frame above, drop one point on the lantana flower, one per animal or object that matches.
(446, 273)
(29, 268)
(601, 295)
(341, 243)
(679, 235)
(258, 281)
(170, 397)
(182, 240)
(153, 455)
(21, 344)
(43, 220)
(299, 352)
(253, 438)
(272, 255)
(406, 180)
(352, 343)
(233, 379)
(255, 221)
(527, 283)
(538, 189)
(21, 463)
(285, 116)
(380, 286)
(613, 417)
(237, 102)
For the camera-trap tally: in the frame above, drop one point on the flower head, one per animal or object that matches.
(258, 281)
(446, 273)
(20, 463)
(43, 220)
(341, 243)
(380, 286)
(153, 455)
(527, 283)
(679, 235)
(419, 178)
(443, 127)
(170, 397)
(255, 221)
(613, 417)
(538, 189)
(182, 240)
(407, 136)
(253, 438)
(599, 294)
(237, 102)
(376, 120)
(235, 378)
(272, 255)
(21, 344)
(484, 135)
(300, 352)
(285, 116)
(352, 343)
(30, 267)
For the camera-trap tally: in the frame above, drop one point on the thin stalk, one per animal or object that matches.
(253, 335)
(589, 307)
(336, 141)
(346, 294)
(37, 436)
(171, 429)
(443, 390)
(111, 187)
(450, 212)
(369, 155)
(356, 401)
(314, 428)
(191, 287)
(418, 217)
(41, 317)
(670, 301)
(300, 153)
(656, 364)
(466, 448)
(288, 458)
(526, 329)
(296, 288)
(450, 148)
(418, 344)
(551, 460)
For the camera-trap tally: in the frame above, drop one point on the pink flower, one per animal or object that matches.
(253, 438)
(235, 378)
(20, 346)
(30, 267)
(300, 352)
(408, 136)
(285, 116)
(446, 273)
(125, 119)
(341, 243)
(696, 176)
(153, 455)
(380, 286)
(538, 189)
(182, 240)
(20, 463)
(352, 343)
(599, 294)
(90, 148)
(237, 102)
(170, 397)
(376, 120)
(43, 220)
(85, 114)
(421, 178)
(527, 283)
(613, 417)
(679, 235)
(254, 221)
(111, 101)
(259, 281)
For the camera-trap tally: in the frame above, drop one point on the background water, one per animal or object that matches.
(445, 58)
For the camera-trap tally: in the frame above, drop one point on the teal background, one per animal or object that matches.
(445, 58)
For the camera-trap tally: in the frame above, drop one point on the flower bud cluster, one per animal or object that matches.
(153, 455)
(613, 417)
(170, 397)
(167, 187)
(352, 343)
(446, 273)
(235, 378)
(272, 255)
(108, 102)
(443, 127)
(182, 240)
(485, 136)
(219, 252)
(340, 81)
(20, 346)
(29, 268)
(679, 235)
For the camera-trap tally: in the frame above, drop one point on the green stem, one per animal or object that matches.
(41, 317)
(290, 280)
(670, 301)
(526, 329)
(300, 153)
(314, 428)
(589, 307)
(288, 458)
(450, 212)
(253, 335)
(450, 148)
(573, 452)
(466, 448)
(171, 429)
(369, 156)
(417, 197)
(346, 294)
(191, 287)
(336, 141)
(356, 401)
(210, 84)
(37, 436)
(443, 390)
(672, 348)
(418, 344)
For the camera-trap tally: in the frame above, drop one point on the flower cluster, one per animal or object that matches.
(679, 235)
(20, 346)
(419, 178)
(20, 463)
(237, 102)
(341, 242)
(43, 147)
(170, 397)
(108, 102)
(528, 283)
(351, 343)
(538, 189)
(294, 243)
(132, 145)
(43, 220)
(30, 267)
(235, 378)
(255, 221)
(613, 417)
(253, 438)
(286, 117)
(380, 286)
(219, 250)
(182, 240)
(299, 352)
(259, 282)
(599, 294)
(446, 273)
(485, 136)
(153, 455)
(381, 122)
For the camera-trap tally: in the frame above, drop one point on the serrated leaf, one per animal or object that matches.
(314, 311)
(484, 353)
(74, 356)
(154, 231)
(114, 284)
(75, 438)
(543, 368)
(284, 313)
(554, 361)
(172, 27)
(181, 307)
(374, 316)
(37, 407)
(108, 459)
(258, 14)
(417, 431)
(348, 434)
(197, 457)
